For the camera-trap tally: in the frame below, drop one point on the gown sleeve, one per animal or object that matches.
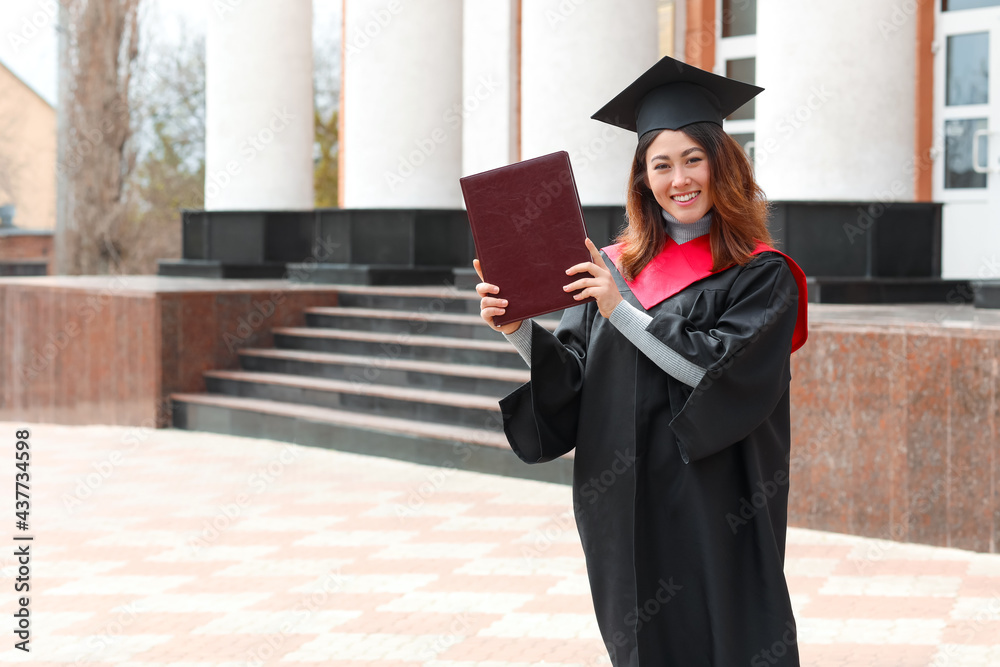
(745, 357)
(540, 417)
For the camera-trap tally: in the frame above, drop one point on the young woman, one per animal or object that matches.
(673, 389)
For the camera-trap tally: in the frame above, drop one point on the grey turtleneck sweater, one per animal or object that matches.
(632, 321)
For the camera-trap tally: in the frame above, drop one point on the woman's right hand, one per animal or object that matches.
(491, 306)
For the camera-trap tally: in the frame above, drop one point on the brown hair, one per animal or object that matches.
(739, 212)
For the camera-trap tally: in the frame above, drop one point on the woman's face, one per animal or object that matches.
(678, 174)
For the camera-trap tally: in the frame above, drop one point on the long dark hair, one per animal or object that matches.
(739, 213)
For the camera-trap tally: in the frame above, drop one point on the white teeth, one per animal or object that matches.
(683, 198)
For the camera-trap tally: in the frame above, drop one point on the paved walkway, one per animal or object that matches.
(166, 547)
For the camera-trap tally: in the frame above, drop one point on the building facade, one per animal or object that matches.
(27, 154)
(868, 101)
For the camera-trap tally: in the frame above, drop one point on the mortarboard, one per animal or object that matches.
(672, 94)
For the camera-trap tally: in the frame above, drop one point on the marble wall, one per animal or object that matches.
(111, 350)
(894, 430)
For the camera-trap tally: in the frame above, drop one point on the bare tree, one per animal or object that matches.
(102, 38)
(169, 121)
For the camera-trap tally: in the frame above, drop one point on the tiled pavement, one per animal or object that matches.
(167, 547)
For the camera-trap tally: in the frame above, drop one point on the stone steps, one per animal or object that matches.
(455, 325)
(403, 372)
(424, 405)
(399, 346)
(435, 444)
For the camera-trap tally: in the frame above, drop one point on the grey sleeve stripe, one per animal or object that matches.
(521, 339)
(632, 322)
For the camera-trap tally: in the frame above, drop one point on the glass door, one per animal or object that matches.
(967, 146)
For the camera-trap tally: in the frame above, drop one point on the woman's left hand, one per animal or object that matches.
(599, 285)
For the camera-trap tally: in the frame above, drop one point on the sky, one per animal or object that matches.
(28, 43)
(29, 47)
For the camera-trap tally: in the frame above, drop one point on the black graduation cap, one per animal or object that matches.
(672, 94)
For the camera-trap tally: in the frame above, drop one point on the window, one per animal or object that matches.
(968, 69)
(954, 5)
(739, 17)
(736, 58)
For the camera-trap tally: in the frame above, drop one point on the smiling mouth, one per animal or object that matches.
(685, 198)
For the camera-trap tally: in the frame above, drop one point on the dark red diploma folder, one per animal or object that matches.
(528, 229)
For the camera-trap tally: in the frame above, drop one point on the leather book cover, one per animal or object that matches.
(528, 228)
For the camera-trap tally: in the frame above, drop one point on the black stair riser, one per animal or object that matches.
(420, 304)
(451, 454)
(509, 358)
(361, 372)
(375, 405)
(422, 327)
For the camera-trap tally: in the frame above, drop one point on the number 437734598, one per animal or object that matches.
(21, 498)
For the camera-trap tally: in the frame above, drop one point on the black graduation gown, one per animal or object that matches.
(680, 493)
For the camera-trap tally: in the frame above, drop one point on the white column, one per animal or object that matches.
(836, 121)
(259, 106)
(403, 102)
(489, 84)
(576, 56)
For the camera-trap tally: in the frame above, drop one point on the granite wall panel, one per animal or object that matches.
(895, 430)
(927, 427)
(820, 463)
(972, 432)
(111, 351)
(876, 422)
